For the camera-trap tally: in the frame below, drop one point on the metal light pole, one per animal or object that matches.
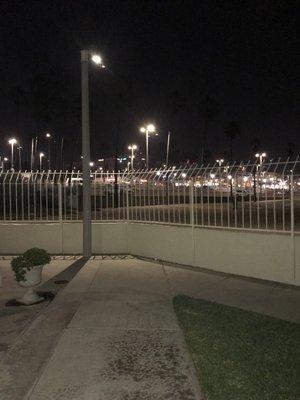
(220, 162)
(20, 161)
(86, 56)
(261, 157)
(132, 148)
(12, 142)
(168, 149)
(41, 160)
(48, 136)
(150, 128)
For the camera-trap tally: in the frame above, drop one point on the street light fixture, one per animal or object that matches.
(49, 136)
(12, 142)
(3, 160)
(86, 57)
(261, 156)
(20, 161)
(132, 148)
(148, 129)
(41, 160)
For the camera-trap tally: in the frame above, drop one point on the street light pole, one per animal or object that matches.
(168, 149)
(86, 56)
(41, 160)
(132, 148)
(48, 136)
(261, 157)
(147, 129)
(12, 142)
(86, 182)
(20, 162)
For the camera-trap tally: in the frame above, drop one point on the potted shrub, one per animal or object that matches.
(28, 272)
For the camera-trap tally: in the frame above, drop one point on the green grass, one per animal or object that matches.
(241, 355)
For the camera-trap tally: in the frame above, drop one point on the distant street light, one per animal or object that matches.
(132, 148)
(150, 128)
(49, 137)
(261, 157)
(12, 142)
(20, 161)
(86, 57)
(3, 160)
(41, 160)
(220, 162)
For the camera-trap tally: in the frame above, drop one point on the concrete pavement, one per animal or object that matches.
(111, 334)
(123, 342)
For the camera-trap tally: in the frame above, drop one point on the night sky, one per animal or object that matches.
(164, 58)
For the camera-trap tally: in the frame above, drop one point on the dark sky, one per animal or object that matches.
(164, 59)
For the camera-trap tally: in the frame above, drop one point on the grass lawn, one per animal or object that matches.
(241, 355)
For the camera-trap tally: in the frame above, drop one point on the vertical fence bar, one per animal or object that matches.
(191, 202)
(60, 214)
(292, 223)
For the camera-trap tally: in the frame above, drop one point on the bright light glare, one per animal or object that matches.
(256, 155)
(48, 135)
(5, 159)
(42, 155)
(96, 59)
(151, 128)
(264, 154)
(229, 177)
(12, 141)
(91, 164)
(142, 129)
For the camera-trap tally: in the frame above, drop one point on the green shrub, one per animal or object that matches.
(31, 258)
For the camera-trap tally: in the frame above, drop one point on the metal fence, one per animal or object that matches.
(242, 195)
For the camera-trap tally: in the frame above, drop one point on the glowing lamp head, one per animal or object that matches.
(151, 128)
(143, 129)
(96, 59)
(257, 155)
(12, 141)
(91, 164)
(264, 154)
(48, 135)
(5, 159)
(229, 176)
(42, 155)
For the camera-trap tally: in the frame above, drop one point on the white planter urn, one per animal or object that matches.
(33, 277)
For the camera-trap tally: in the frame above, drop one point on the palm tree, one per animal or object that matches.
(232, 131)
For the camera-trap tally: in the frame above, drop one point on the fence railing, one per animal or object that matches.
(242, 195)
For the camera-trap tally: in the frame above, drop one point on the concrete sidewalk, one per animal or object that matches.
(123, 342)
(111, 334)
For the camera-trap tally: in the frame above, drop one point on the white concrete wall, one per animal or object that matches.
(254, 254)
(163, 242)
(66, 238)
